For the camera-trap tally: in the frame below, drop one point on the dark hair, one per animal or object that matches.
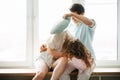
(78, 8)
(77, 49)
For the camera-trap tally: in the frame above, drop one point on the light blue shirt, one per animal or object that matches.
(83, 33)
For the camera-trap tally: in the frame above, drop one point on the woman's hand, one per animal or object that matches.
(43, 48)
(66, 15)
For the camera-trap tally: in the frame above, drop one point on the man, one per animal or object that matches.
(83, 29)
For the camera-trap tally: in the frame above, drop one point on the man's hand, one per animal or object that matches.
(43, 48)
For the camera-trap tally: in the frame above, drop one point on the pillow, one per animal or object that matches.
(55, 41)
(60, 26)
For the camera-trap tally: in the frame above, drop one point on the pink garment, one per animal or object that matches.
(84, 72)
(78, 64)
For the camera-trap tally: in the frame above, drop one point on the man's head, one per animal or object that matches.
(77, 8)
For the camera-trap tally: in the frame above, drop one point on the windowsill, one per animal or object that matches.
(106, 71)
(17, 72)
(31, 72)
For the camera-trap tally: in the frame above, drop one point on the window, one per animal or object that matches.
(49, 13)
(105, 14)
(14, 37)
(105, 40)
(25, 25)
(106, 35)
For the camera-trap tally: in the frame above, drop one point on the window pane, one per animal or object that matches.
(12, 30)
(103, 11)
(105, 40)
(49, 13)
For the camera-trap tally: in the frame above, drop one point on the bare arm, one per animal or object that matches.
(82, 18)
(43, 48)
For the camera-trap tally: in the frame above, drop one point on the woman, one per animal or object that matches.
(79, 58)
(50, 54)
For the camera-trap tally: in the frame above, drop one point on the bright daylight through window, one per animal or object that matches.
(12, 32)
(103, 11)
(105, 40)
(19, 29)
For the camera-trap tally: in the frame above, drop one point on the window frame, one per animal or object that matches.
(109, 63)
(33, 39)
(112, 63)
(104, 63)
(30, 39)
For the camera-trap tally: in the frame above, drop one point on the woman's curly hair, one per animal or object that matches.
(77, 49)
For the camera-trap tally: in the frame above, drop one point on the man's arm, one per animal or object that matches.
(81, 17)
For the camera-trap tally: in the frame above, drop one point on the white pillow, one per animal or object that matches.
(60, 26)
(55, 41)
